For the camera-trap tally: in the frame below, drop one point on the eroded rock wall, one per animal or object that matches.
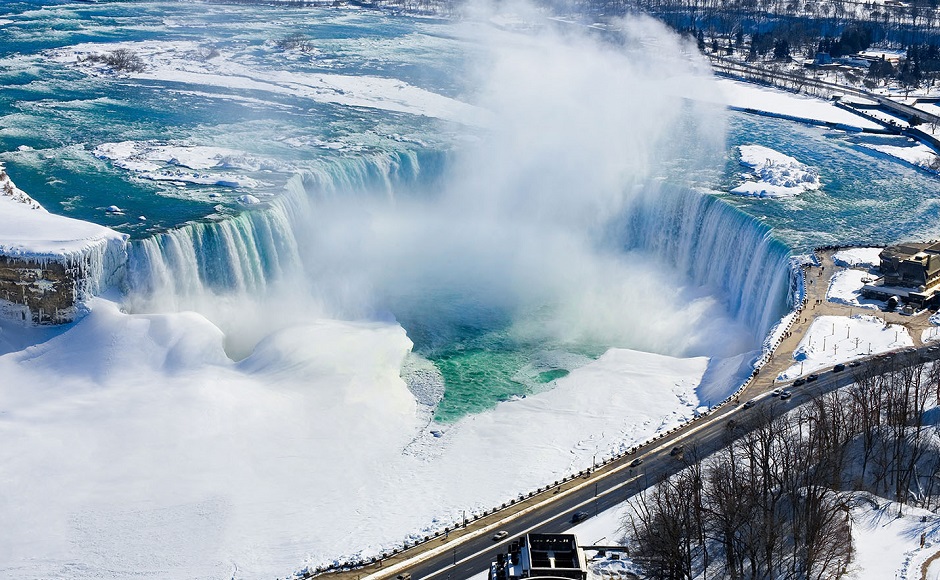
(45, 289)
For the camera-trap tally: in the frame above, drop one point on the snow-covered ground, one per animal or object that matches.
(917, 154)
(131, 442)
(28, 230)
(761, 98)
(858, 257)
(774, 174)
(834, 339)
(846, 288)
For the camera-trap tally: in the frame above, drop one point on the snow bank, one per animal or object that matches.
(858, 258)
(846, 288)
(139, 446)
(834, 339)
(916, 154)
(776, 174)
(745, 95)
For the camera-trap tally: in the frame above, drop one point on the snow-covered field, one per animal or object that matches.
(774, 174)
(834, 339)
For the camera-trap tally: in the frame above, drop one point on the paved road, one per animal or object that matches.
(469, 550)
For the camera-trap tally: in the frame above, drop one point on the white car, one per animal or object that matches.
(500, 535)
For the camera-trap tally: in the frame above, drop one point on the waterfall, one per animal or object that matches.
(709, 241)
(246, 253)
(716, 245)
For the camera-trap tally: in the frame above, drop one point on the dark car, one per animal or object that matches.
(812, 378)
(636, 462)
(579, 517)
(854, 364)
(838, 368)
(799, 382)
(677, 450)
(749, 404)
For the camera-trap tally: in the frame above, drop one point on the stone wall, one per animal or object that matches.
(46, 289)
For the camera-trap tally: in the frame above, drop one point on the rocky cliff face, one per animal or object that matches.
(50, 263)
(46, 290)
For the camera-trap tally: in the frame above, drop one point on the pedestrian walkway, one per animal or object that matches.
(817, 280)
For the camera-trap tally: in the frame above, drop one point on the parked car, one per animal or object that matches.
(799, 382)
(775, 392)
(579, 517)
(838, 368)
(749, 404)
(785, 395)
(636, 462)
(854, 364)
(500, 535)
(677, 450)
(812, 378)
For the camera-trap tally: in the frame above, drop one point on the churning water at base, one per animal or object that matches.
(674, 269)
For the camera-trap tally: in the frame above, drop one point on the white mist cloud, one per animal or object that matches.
(576, 123)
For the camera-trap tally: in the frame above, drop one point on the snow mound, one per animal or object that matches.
(858, 257)
(776, 174)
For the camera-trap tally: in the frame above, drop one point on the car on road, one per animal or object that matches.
(812, 378)
(838, 368)
(636, 462)
(854, 364)
(677, 450)
(403, 576)
(799, 382)
(579, 517)
(500, 535)
(749, 404)
(785, 395)
(775, 392)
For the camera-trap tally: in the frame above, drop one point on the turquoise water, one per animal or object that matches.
(866, 197)
(53, 114)
(61, 114)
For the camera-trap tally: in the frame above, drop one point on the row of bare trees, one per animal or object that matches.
(774, 502)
